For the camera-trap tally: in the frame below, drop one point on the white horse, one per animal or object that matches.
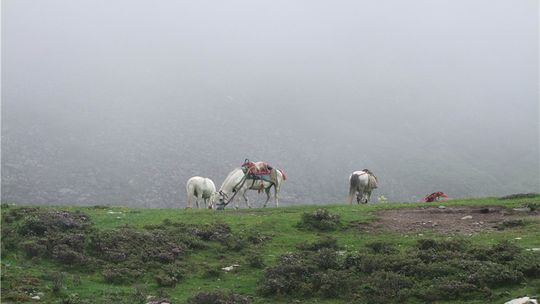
(234, 184)
(361, 183)
(201, 188)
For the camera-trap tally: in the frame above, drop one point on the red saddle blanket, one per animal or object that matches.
(257, 168)
(435, 196)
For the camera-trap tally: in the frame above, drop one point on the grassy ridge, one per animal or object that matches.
(280, 224)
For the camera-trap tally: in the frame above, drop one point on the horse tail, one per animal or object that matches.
(354, 181)
(283, 174)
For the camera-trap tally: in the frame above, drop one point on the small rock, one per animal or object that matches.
(518, 238)
(442, 207)
(524, 300)
(467, 217)
(37, 298)
(522, 209)
(230, 268)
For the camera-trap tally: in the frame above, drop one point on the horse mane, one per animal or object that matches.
(229, 176)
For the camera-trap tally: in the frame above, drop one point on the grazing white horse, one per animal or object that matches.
(201, 188)
(361, 183)
(234, 185)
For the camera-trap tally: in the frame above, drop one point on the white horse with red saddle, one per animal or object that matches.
(361, 183)
(251, 176)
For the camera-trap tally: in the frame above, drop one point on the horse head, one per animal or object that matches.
(222, 196)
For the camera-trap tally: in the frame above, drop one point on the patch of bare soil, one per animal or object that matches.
(451, 219)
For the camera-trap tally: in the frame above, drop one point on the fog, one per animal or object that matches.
(120, 102)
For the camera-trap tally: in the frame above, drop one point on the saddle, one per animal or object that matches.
(259, 171)
(435, 196)
(256, 168)
(372, 180)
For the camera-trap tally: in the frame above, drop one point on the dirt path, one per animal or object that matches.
(451, 219)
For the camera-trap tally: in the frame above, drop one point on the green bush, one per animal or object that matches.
(163, 279)
(325, 242)
(292, 275)
(382, 247)
(321, 219)
(219, 297)
(335, 284)
(255, 260)
(120, 275)
(65, 255)
(34, 248)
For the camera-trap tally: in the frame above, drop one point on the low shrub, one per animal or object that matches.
(384, 287)
(219, 297)
(382, 247)
(492, 274)
(510, 224)
(444, 245)
(447, 289)
(163, 279)
(321, 219)
(325, 242)
(291, 275)
(34, 248)
(66, 255)
(212, 272)
(335, 284)
(326, 258)
(519, 195)
(120, 275)
(40, 222)
(432, 271)
(57, 280)
(255, 260)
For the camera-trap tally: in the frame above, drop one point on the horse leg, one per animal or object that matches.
(267, 191)
(359, 196)
(198, 197)
(364, 197)
(276, 195)
(368, 196)
(246, 198)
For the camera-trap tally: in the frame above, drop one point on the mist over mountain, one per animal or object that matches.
(120, 102)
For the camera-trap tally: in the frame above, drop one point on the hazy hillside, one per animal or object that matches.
(95, 158)
(120, 103)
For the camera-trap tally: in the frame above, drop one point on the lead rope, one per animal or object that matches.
(241, 183)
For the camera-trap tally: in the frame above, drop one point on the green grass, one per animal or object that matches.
(280, 223)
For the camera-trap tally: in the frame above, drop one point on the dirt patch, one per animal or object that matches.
(450, 219)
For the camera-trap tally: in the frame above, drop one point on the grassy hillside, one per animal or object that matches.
(310, 254)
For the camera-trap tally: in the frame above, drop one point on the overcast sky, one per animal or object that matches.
(407, 88)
